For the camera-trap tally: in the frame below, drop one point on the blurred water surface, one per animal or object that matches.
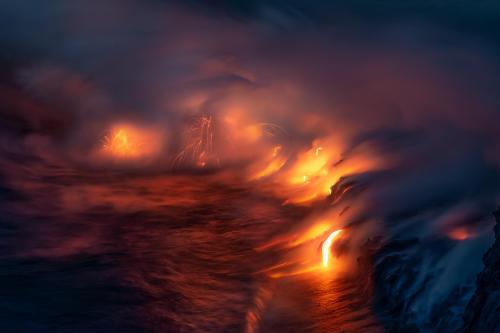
(87, 252)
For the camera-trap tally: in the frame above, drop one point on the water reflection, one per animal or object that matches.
(92, 253)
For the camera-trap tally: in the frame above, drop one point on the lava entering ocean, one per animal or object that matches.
(261, 167)
(326, 248)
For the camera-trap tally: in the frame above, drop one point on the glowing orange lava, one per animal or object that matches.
(302, 252)
(326, 247)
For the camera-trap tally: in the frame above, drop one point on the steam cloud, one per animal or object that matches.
(419, 97)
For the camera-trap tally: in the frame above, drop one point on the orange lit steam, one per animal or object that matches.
(271, 164)
(130, 142)
(460, 234)
(316, 170)
(198, 148)
(119, 144)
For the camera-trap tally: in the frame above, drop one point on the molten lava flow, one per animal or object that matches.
(326, 247)
(301, 251)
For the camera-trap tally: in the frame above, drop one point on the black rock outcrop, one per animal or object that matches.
(482, 314)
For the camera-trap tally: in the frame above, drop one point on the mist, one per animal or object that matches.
(385, 125)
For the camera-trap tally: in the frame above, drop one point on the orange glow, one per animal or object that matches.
(252, 133)
(309, 165)
(314, 232)
(276, 150)
(129, 142)
(274, 163)
(302, 250)
(274, 166)
(293, 273)
(199, 143)
(313, 173)
(461, 233)
(327, 245)
(119, 144)
(297, 238)
(241, 129)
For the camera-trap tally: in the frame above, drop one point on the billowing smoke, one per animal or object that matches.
(394, 123)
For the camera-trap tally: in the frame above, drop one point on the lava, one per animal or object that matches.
(204, 166)
(300, 251)
(327, 245)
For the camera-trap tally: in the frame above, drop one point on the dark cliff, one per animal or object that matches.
(405, 298)
(482, 314)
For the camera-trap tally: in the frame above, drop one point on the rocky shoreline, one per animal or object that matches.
(482, 314)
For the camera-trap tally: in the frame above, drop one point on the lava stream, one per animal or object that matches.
(326, 247)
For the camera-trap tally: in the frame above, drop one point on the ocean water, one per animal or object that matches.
(82, 251)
